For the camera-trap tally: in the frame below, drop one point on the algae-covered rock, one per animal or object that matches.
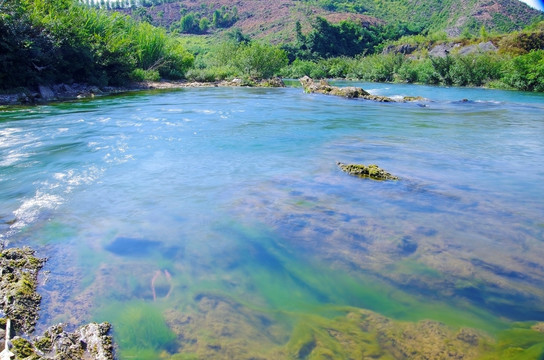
(371, 171)
(19, 300)
(20, 303)
(323, 87)
(90, 341)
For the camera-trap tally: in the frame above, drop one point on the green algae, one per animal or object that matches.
(315, 337)
(520, 342)
(139, 328)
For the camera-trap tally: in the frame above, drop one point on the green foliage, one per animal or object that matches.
(257, 60)
(224, 18)
(300, 68)
(204, 25)
(199, 23)
(240, 59)
(346, 38)
(518, 43)
(145, 75)
(54, 41)
(188, 24)
(142, 15)
(438, 15)
(237, 36)
(526, 72)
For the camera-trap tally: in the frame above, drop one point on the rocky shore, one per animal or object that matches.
(19, 306)
(63, 92)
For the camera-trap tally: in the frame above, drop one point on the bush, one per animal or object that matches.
(300, 68)
(53, 41)
(475, 69)
(526, 72)
(259, 60)
(145, 75)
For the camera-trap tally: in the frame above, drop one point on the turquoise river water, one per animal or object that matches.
(215, 223)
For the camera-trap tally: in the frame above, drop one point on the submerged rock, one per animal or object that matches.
(371, 171)
(90, 341)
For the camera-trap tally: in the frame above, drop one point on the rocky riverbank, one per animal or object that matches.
(64, 92)
(19, 306)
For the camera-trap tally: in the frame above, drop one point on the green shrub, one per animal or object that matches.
(53, 41)
(300, 68)
(145, 75)
(526, 72)
(260, 60)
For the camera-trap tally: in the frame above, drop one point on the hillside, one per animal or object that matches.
(275, 20)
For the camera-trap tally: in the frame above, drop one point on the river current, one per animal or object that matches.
(215, 223)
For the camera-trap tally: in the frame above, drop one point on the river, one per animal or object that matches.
(215, 223)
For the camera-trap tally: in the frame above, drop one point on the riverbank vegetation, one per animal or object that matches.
(381, 54)
(514, 60)
(61, 41)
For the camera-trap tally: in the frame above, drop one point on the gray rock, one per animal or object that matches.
(46, 93)
(479, 48)
(442, 50)
(404, 49)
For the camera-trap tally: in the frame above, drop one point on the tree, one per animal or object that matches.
(188, 23)
(204, 24)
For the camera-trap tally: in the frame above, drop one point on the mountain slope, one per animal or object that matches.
(275, 19)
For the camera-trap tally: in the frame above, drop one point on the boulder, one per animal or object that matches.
(46, 93)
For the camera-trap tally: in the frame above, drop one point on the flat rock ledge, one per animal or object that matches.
(19, 306)
(371, 171)
(350, 92)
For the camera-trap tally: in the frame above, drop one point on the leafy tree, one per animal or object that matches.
(223, 18)
(188, 23)
(204, 25)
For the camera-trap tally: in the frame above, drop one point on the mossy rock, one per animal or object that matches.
(19, 301)
(22, 348)
(371, 171)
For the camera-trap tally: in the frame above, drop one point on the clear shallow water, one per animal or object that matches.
(213, 222)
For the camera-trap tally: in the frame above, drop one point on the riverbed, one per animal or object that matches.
(215, 223)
